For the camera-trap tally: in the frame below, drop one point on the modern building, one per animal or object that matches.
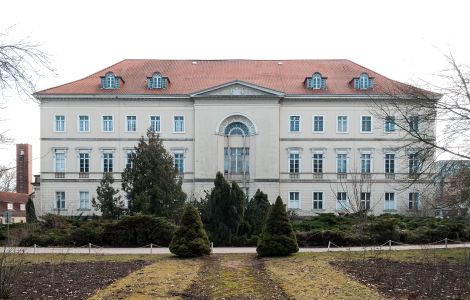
(302, 129)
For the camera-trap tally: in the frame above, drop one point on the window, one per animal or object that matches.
(294, 200)
(389, 201)
(157, 81)
(413, 201)
(179, 161)
(365, 162)
(110, 81)
(178, 124)
(10, 206)
(414, 123)
(84, 162)
(389, 124)
(294, 123)
(317, 162)
(364, 82)
(294, 162)
(236, 160)
(155, 123)
(341, 163)
(131, 124)
(316, 82)
(317, 200)
(236, 128)
(414, 165)
(318, 124)
(342, 124)
(83, 123)
(366, 124)
(108, 162)
(60, 200)
(108, 123)
(129, 159)
(341, 201)
(59, 161)
(84, 200)
(22, 207)
(60, 123)
(389, 163)
(365, 201)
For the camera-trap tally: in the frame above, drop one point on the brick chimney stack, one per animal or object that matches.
(24, 168)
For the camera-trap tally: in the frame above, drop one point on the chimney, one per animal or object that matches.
(24, 168)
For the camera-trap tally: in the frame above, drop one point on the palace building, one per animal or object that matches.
(302, 129)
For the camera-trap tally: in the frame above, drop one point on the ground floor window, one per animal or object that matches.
(317, 200)
(60, 200)
(294, 200)
(389, 201)
(413, 201)
(365, 201)
(341, 201)
(84, 200)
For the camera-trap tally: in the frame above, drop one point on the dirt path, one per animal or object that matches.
(234, 277)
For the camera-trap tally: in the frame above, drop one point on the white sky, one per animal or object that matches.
(399, 39)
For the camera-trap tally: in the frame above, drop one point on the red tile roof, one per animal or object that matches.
(190, 76)
(13, 197)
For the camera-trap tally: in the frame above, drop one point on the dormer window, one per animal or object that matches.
(363, 82)
(316, 82)
(157, 81)
(110, 81)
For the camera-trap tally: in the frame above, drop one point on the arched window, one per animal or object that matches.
(316, 81)
(157, 81)
(237, 128)
(364, 82)
(110, 81)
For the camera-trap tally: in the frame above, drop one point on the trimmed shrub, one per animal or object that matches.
(277, 238)
(190, 239)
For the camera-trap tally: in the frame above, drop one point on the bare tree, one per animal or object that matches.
(7, 179)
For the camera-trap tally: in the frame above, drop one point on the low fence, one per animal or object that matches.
(444, 242)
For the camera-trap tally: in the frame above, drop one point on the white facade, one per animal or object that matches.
(286, 137)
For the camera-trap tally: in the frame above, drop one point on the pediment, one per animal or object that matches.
(237, 88)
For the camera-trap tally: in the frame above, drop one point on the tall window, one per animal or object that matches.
(389, 124)
(179, 161)
(341, 163)
(413, 201)
(414, 164)
(84, 200)
(294, 123)
(59, 161)
(155, 123)
(341, 201)
(110, 81)
(342, 124)
(108, 123)
(317, 200)
(365, 162)
(129, 159)
(294, 200)
(365, 201)
(363, 82)
(83, 123)
(178, 124)
(389, 163)
(318, 124)
(389, 201)
(414, 123)
(294, 162)
(366, 124)
(60, 123)
(317, 162)
(84, 162)
(156, 81)
(236, 160)
(60, 200)
(108, 162)
(131, 123)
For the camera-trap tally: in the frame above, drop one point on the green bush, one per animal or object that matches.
(190, 240)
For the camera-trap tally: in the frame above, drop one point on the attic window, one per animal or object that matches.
(157, 81)
(110, 81)
(363, 82)
(316, 82)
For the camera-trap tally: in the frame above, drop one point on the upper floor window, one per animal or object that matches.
(342, 124)
(157, 81)
(10, 206)
(413, 201)
(237, 128)
(108, 123)
(236, 160)
(316, 82)
(390, 163)
(414, 123)
(364, 82)
(389, 124)
(318, 124)
(294, 123)
(294, 162)
(129, 159)
(414, 163)
(83, 123)
(365, 162)
(84, 161)
(178, 160)
(110, 81)
(108, 162)
(317, 162)
(155, 123)
(341, 163)
(131, 123)
(22, 206)
(178, 124)
(59, 161)
(59, 123)
(366, 124)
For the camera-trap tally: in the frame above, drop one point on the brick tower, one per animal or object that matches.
(24, 168)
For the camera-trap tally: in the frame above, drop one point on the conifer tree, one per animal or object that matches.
(256, 212)
(30, 212)
(190, 240)
(110, 205)
(277, 238)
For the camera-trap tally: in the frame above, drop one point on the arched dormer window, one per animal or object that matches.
(110, 81)
(157, 81)
(363, 82)
(316, 82)
(237, 128)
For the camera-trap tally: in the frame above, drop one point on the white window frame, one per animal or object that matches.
(323, 123)
(371, 124)
(108, 151)
(292, 151)
(411, 124)
(393, 125)
(22, 207)
(289, 200)
(60, 151)
(80, 201)
(79, 123)
(347, 161)
(419, 165)
(337, 124)
(55, 123)
(159, 123)
(418, 200)
(127, 123)
(322, 201)
(371, 161)
(126, 157)
(300, 123)
(102, 123)
(340, 207)
(56, 200)
(394, 162)
(183, 153)
(9, 206)
(394, 201)
(365, 200)
(174, 124)
(84, 151)
(323, 161)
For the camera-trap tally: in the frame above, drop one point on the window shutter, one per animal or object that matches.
(323, 83)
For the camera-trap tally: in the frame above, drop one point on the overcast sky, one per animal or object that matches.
(399, 39)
